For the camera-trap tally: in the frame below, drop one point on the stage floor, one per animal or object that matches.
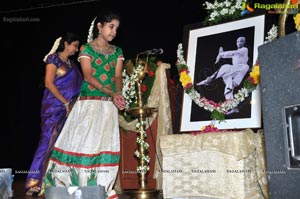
(19, 193)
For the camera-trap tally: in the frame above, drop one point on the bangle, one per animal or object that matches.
(67, 103)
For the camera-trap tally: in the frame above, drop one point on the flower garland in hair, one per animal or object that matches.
(90, 35)
(53, 49)
(218, 110)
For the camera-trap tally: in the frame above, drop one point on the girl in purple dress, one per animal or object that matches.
(62, 86)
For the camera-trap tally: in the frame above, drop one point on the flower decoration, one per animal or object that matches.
(53, 49)
(151, 73)
(255, 74)
(207, 129)
(297, 21)
(223, 10)
(129, 90)
(253, 79)
(142, 143)
(218, 110)
(129, 76)
(272, 34)
(185, 79)
(90, 34)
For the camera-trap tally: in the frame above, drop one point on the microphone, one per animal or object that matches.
(158, 51)
(153, 51)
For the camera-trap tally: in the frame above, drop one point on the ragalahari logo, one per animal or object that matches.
(246, 9)
(275, 8)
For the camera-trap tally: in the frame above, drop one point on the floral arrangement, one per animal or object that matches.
(272, 34)
(129, 76)
(218, 110)
(223, 10)
(145, 145)
(211, 128)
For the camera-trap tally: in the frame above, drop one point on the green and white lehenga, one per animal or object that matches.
(87, 152)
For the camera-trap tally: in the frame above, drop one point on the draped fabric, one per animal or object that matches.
(68, 80)
(158, 98)
(219, 165)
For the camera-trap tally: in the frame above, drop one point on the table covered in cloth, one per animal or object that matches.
(227, 165)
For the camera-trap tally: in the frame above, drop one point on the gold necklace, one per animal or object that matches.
(65, 60)
(105, 50)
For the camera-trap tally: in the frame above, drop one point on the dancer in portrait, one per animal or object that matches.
(232, 74)
(88, 148)
(62, 85)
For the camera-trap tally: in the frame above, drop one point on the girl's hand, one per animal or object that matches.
(119, 101)
(68, 108)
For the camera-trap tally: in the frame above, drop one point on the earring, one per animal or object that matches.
(99, 32)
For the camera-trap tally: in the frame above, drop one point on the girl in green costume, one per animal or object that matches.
(87, 151)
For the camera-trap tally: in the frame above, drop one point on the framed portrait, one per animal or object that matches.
(220, 58)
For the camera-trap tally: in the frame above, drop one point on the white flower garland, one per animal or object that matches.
(219, 9)
(53, 49)
(129, 93)
(129, 81)
(145, 145)
(272, 34)
(90, 34)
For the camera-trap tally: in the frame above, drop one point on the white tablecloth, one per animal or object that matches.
(227, 165)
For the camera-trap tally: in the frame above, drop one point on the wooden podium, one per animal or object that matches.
(128, 163)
